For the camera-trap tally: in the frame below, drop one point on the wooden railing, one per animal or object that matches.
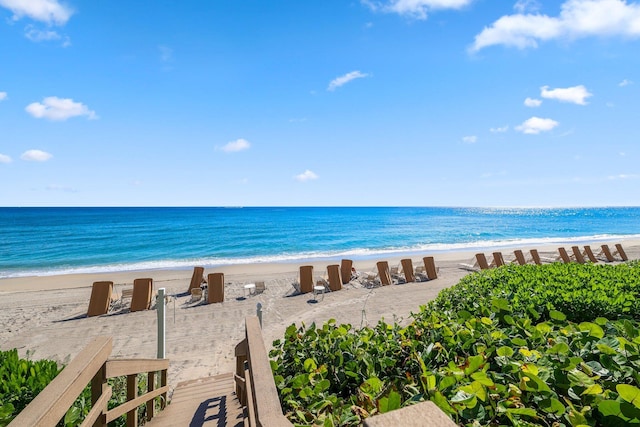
(92, 365)
(254, 378)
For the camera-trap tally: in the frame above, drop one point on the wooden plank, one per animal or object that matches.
(151, 385)
(129, 406)
(98, 409)
(251, 399)
(54, 401)
(425, 414)
(123, 367)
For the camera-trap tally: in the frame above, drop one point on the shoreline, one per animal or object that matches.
(46, 315)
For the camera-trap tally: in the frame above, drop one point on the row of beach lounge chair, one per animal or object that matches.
(604, 254)
(104, 299)
(341, 274)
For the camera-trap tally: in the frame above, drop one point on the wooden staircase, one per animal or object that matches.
(205, 402)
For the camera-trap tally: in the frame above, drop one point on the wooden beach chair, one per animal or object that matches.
(498, 259)
(345, 270)
(520, 259)
(407, 270)
(142, 291)
(384, 273)
(535, 257)
(197, 278)
(196, 295)
(605, 254)
(306, 279)
(564, 256)
(430, 267)
(480, 263)
(260, 287)
(577, 254)
(590, 255)
(335, 278)
(100, 298)
(620, 252)
(215, 288)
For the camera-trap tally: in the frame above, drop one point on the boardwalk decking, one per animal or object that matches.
(205, 402)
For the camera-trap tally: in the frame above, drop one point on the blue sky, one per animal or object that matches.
(326, 102)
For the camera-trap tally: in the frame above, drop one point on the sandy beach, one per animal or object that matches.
(45, 316)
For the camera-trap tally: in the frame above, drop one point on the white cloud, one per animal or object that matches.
(306, 176)
(59, 109)
(499, 129)
(535, 125)
(48, 11)
(237, 145)
(577, 19)
(530, 102)
(3, 96)
(471, 139)
(625, 82)
(342, 80)
(5, 159)
(622, 176)
(523, 6)
(417, 9)
(36, 156)
(36, 35)
(575, 94)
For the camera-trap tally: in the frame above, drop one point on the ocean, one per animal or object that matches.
(47, 241)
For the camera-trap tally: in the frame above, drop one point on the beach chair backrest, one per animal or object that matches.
(100, 298)
(577, 254)
(520, 257)
(498, 259)
(482, 261)
(306, 279)
(335, 279)
(407, 270)
(383, 272)
(196, 278)
(564, 256)
(607, 253)
(621, 253)
(345, 270)
(590, 254)
(535, 256)
(141, 298)
(430, 267)
(260, 287)
(215, 287)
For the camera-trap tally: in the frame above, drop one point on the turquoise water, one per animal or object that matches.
(42, 241)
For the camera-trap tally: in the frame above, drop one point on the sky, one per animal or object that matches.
(320, 103)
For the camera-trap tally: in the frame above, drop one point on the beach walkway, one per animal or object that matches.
(203, 402)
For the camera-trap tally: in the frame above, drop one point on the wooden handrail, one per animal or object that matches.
(92, 365)
(258, 390)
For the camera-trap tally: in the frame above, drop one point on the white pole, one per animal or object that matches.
(160, 305)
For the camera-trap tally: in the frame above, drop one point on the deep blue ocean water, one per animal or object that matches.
(42, 241)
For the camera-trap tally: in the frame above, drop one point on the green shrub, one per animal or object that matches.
(494, 361)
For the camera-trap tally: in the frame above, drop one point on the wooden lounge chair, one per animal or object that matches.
(564, 256)
(334, 276)
(196, 295)
(215, 288)
(384, 273)
(197, 278)
(480, 263)
(260, 287)
(590, 255)
(100, 298)
(605, 254)
(577, 254)
(498, 259)
(345, 271)
(407, 270)
(520, 259)
(620, 252)
(142, 291)
(306, 279)
(430, 267)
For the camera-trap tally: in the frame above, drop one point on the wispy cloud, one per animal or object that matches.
(501, 129)
(577, 19)
(533, 103)
(306, 176)
(36, 156)
(47, 11)
(535, 125)
(417, 9)
(5, 159)
(622, 176)
(36, 35)
(523, 6)
(574, 95)
(625, 82)
(59, 109)
(237, 145)
(343, 80)
(471, 139)
(3, 96)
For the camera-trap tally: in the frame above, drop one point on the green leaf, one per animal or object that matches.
(522, 411)
(390, 403)
(310, 365)
(593, 329)
(629, 393)
(557, 315)
(475, 362)
(579, 378)
(552, 406)
(504, 351)
(560, 348)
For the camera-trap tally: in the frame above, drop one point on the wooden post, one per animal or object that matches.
(132, 393)
(98, 385)
(151, 385)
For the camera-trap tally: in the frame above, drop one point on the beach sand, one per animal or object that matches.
(45, 316)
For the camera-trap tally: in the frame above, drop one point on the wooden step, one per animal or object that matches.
(208, 401)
